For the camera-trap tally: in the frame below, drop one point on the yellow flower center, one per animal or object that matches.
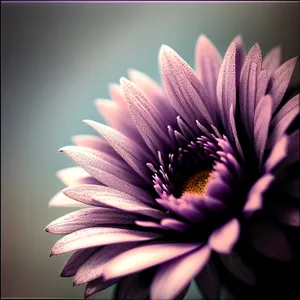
(197, 183)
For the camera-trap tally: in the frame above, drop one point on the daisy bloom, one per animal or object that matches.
(185, 177)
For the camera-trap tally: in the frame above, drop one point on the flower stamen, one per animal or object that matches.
(196, 184)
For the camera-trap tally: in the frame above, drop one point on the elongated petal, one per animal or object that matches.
(76, 260)
(208, 281)
(60, 200)
(143, 257)
(135, 286)
(108, 174)
(93, 237)
(94, 266)
(226, 86)
(255, 196)
(208, 63)
(277, 154)
(223, 239)
(172, 277)
(75, 175)
(129, 204)
(272, 60)
(241, 270)
(128, 150)
(262, 122)
(97, 285)
(268, 239)
(280, 81)
(174, 225)
(186, 93)
(89, 217)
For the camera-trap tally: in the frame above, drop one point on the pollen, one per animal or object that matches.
(196, 184)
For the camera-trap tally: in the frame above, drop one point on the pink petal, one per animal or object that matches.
(272, 60)
(148, 224)
(278, 153)
(208, 63)
(223, 239)
(60, 200)
(108, 174)
(174, 224)
(144, 257)
(93, 237)
(94, 266)
(280, 81)
(127, 149)
(76, 260)
(97, 285)
(255, 196)
(129, 204)
(172, 277)
(262, 117)
(286, 212)
(88, 217)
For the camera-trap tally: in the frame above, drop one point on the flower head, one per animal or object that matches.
(184, 176)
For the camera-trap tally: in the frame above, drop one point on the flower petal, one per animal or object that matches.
(94, 266)
(272, 60)
(105, 172)
(208, 63)
(174, 225)
(173, 276)
(226, 86)
(143, 257)
(97, 285)
(262, 117)
(76, 260)
(223, 239)
(93, 237)
(60, 200)
(208, 281)
(255, 196)
(280, 81)
(88, 217)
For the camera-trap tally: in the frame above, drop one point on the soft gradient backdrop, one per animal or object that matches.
(56, 59)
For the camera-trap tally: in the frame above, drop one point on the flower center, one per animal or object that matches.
(197, 183)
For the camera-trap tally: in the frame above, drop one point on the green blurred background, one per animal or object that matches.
(56, 59)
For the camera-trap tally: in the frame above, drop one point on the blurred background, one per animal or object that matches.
(55, 60)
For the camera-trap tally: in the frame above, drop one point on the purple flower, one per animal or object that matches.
(184, 176)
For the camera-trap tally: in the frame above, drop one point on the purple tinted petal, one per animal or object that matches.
(97, 285)
(174, 224)
(280, 81)
(262, 84)
(208, 62)
(76, 260)
(129, 204)
(143, 114)
(208, 281)
(75, 175)
(242, 271)
(272, 60)
(268, 239)
(88, 217)
(148, 224)
(60, 200)
(173, 276)
(143, 257)
(94, 266)
(184, 89)
(135, 286)
(218, 189)
(226, 86)
(93, 237)
(127, 149)
(223, 239)
(255, 196)
(278, 153)
(263, 113)
(287, 212)
(106, 173)
(240, 56)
